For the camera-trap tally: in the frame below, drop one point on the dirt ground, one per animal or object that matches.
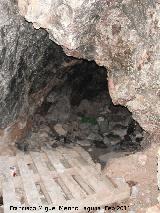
(140, 171)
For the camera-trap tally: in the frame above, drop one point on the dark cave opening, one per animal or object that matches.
(80, 111)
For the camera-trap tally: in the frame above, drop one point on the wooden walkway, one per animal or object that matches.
(55, 178)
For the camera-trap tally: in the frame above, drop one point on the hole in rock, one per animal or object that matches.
(80, 111)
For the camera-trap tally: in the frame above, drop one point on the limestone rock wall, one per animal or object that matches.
(29, 62)
(122, 35)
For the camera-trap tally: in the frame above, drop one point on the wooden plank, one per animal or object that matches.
(54, 174)
(37, 179)
(77, 177)
(99, 199)
(19, 189)
(84, 154)
(89, 178)
(48, 163)
(32, 194)
(95, 181)
(45, 199)
(18, 184)
(81, 155)
(54, 191)
(68, 194)
(83, 184)
(8, 189)
(75, 189)
(55, 160)
(68, 151)
(30, 164)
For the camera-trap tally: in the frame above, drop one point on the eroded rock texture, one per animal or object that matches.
(29, 62)
(122, 35)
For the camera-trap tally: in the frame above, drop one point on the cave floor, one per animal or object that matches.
(138, 169)
(55, 178)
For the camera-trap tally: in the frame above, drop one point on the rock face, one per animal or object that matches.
(123, 36)
(29, 62)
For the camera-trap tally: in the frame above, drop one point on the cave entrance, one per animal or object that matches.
(80, 111)
(76, 128)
